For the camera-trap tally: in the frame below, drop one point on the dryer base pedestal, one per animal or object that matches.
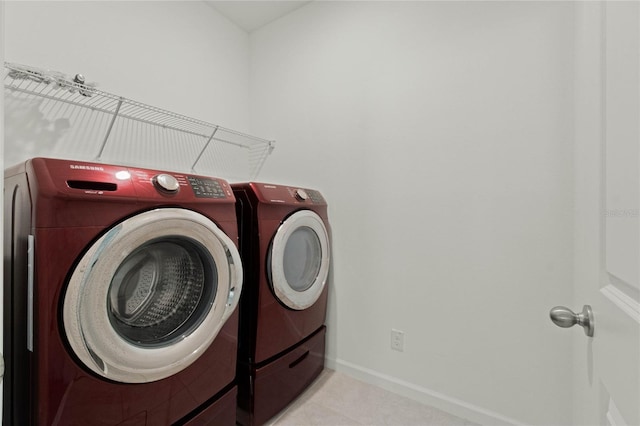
(281, 381)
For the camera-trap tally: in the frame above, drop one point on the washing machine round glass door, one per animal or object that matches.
(299, 260)
(149, 296)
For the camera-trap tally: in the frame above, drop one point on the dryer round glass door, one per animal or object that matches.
(299, 260)
(148, 297)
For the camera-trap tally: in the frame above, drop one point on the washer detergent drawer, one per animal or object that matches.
(281, 381)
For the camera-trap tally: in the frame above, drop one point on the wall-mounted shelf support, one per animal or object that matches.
(204, 148)
(106, 137)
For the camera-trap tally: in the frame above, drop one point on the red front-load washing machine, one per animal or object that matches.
(120, 292)
(285, 247)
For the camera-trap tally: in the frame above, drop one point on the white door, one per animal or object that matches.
(606, 388)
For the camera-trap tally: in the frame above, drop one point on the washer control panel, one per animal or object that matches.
(206, 188)
(83, 179)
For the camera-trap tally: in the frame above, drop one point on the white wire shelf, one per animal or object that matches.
(50, 114)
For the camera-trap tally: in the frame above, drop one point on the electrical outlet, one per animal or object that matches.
(397, 340)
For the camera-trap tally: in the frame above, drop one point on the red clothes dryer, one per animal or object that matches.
(285, 246)
(120, 292)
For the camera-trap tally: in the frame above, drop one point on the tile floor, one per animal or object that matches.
(336, 399)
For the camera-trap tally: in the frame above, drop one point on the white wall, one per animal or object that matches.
(176, 55)
(441, 134)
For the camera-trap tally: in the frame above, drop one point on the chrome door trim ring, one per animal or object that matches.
(298, 300)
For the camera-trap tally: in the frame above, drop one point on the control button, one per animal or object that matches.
(166, 183)
(301, 194)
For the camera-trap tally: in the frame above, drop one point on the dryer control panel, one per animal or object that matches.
(311, 195)
(280, 194)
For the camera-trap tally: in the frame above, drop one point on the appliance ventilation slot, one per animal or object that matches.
(50, 114)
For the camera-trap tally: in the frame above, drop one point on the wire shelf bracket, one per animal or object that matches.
(106, 136)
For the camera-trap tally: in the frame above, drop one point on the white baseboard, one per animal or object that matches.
(423, 395)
